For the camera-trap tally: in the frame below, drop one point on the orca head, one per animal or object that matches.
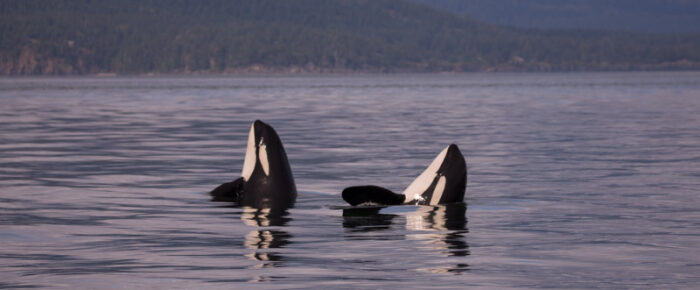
(266, 180)
(444, 181)
(267, 176)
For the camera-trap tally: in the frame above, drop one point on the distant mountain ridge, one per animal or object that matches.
(244, 36)
(624, 15)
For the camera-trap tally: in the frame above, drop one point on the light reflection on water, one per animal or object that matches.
(576, 180)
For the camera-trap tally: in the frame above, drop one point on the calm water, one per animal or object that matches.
(575, 181)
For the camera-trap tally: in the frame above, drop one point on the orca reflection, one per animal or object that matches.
(367, 219)
(440, 228)
(447, 217)
(268, 236)
(444, 181)
(266, 179)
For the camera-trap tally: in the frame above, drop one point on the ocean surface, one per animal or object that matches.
(576, 180)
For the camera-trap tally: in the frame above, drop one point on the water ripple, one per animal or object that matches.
(575, 181)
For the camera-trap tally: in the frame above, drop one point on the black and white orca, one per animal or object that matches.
(266, 179)
(444, 181)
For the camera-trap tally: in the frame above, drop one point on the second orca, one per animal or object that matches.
(444, 181)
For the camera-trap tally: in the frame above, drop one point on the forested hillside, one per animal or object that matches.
(234, 36)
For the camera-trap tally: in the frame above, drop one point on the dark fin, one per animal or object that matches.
(229, 191)
(371, 194)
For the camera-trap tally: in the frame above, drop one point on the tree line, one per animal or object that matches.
(229, 36)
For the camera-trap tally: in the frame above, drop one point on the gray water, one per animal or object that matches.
(575, 181)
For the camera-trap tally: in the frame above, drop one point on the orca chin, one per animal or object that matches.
(266, 179)
(444, 181)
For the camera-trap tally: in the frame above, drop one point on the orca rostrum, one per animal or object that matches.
(444, 181)
(266, 179)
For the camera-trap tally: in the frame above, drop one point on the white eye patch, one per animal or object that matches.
(439, 189)
(249, 161)
(262, 156)
(423, 181)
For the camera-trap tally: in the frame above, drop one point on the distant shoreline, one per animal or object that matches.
(130, 37)
(334, 74)
(297, 71)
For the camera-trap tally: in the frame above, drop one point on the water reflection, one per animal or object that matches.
(439, 229)
(442, 217)
(265, 217)
(265, 241)
(366, 219)
(449, 217)
(449, 223)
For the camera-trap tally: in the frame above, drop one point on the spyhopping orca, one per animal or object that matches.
(266, 179)
(444, 181)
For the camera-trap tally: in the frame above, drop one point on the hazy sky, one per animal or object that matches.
(630, 15)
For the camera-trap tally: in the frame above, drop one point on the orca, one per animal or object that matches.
(266, 179)
(444, 181)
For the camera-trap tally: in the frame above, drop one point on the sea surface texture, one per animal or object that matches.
(576, 180)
